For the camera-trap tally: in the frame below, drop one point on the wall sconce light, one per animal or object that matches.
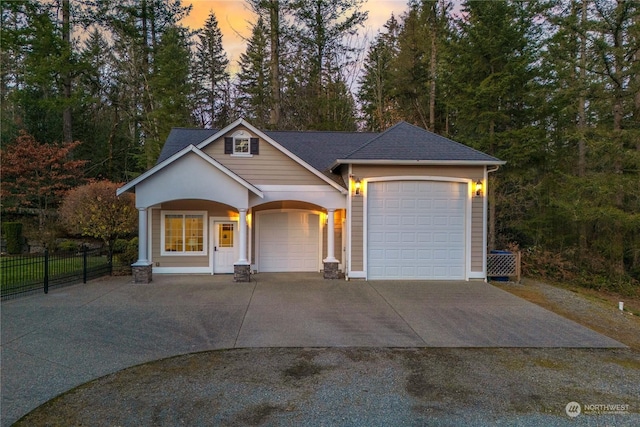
(357, 185)
(478, 188)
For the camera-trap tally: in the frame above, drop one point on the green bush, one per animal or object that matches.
(68, 246)
(120, 246)
(130, 254)
(13, 235)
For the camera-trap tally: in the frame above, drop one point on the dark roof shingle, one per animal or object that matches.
(404, 141)
(321, 150)
(180, 138)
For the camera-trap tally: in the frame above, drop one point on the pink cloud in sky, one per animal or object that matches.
(235, 20)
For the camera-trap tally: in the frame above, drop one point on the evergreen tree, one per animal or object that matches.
(612, 160)
(417, 67)
(321, 28)
(376, 84)
(40, 61)
(15, 33)
(491, 98)
(136, 28)
(254, 77)
(169, 91)
(212, 77)
(98, 120)
(271, 12)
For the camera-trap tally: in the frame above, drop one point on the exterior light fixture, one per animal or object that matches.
(357, 185)
(478, 188)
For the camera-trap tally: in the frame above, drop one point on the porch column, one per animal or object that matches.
(242, 268)
(243, 237)
(141, 269)
(331, 232)
(331, 263)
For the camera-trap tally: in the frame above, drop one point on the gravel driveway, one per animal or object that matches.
(359, 387)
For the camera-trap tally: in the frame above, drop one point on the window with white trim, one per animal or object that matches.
(241, 145)
(183, 233)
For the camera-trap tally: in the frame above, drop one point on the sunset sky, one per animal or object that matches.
(235, 20)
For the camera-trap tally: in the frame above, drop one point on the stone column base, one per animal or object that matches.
(142, 273)
(331, 270)
(242, 273)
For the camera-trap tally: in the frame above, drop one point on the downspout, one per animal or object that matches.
(347, 263)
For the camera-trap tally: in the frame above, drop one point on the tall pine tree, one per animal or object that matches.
(254, 83)
(212, 76)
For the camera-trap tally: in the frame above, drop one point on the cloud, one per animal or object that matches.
(235, 19)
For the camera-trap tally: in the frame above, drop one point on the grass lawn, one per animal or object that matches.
(27, 272)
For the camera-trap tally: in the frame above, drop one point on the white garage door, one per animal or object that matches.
(288, 241)
(416, 230)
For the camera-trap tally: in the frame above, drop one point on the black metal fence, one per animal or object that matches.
(31, 273)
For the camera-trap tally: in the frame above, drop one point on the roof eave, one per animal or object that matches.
(417, 162)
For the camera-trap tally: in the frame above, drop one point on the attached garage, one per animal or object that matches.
(417, 230)
(288, 241)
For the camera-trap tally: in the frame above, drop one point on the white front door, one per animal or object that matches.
(224, 246)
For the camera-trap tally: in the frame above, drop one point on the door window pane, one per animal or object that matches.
(225, 235)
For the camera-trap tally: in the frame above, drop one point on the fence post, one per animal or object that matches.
(46, 271)
(84, 264)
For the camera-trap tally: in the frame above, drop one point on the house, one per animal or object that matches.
(402, 204)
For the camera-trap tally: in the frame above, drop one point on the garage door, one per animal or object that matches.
(416, 230)
(288, 241)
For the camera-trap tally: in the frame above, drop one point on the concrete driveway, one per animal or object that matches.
(54, 342)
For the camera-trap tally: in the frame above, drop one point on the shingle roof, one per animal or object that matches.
(408, 142)
(323, 150)
(320, 149)
(180, 138)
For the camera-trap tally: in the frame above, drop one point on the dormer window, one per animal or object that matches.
(241, 144)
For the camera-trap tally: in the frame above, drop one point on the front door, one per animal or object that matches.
(224, 246)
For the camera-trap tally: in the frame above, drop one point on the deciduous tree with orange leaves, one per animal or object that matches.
(36, 176)
(94, 210)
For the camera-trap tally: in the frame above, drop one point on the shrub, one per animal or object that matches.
(68, 246)
(120, 246)
(131, 253)
(547, 265)
(13, 235)
(128, 253)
